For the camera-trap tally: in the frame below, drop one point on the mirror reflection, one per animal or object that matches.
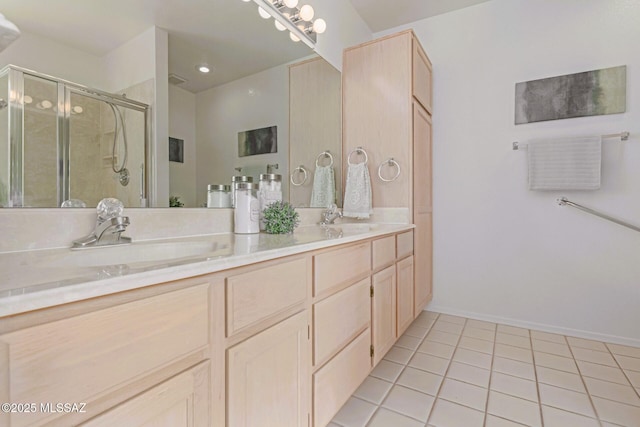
(258, 78)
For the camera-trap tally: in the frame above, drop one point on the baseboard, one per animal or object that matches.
(579, 333)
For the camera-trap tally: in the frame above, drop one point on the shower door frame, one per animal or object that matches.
(65, 89)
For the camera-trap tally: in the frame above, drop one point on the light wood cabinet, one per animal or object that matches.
(339, 318)
(393, 120)
(422, 209)
(251, 346)
(182, 401)
(93, 357)
(383, 312)
(315, 124)
(404, 294)
(336, 381)
(268, 377)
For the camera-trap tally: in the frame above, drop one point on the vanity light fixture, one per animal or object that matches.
(299, 21)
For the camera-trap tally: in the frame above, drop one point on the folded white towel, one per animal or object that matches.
(357, 192)
(565, 163)
(323, 193)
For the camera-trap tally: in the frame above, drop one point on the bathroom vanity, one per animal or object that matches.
(280, 334)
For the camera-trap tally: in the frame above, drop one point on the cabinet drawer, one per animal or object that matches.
(405, 244)
(338, 379)
(341, 266)
(339, 318)
(384, 252)
(259, 294)
(421, 76)
(80, 358)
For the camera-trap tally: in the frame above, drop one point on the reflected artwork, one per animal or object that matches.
(258, 141)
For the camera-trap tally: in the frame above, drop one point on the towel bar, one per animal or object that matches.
(324, 154)
(564, 201)
(624, 136)
(358, 150)
(390, 162)
(304, 173)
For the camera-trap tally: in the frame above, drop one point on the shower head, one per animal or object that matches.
(8, 32)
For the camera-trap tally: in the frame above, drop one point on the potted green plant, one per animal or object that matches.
(280, 218)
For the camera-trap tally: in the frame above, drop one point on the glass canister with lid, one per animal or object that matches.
(269, 191)
(218, 196)
(234, 181)
(246, 213)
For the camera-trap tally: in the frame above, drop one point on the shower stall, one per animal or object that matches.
(64, 144)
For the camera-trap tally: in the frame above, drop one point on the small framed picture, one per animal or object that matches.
(176, 150)
(258, 141)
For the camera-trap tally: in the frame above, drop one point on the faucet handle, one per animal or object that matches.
(109, 208)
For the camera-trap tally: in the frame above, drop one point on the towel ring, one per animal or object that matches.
(358, 150)
(324, 154)
(304, 173)
(390, 162)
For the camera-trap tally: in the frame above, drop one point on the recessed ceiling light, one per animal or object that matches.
(28, 99)
(203, 68)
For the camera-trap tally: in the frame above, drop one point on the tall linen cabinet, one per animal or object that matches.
(387, 111)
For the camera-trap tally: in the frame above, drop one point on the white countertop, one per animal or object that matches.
(33, 280)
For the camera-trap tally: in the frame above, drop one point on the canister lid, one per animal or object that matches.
(218, 187)
(270, 177)
(244, 186)
(241, 178)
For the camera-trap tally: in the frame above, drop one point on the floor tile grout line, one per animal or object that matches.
(405, 365)
(493, 357)
(535, 377)
(624, 371)
(444, 377)
(584, 384)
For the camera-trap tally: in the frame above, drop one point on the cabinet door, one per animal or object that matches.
(268, 378)
(422, 209)
(383, 312)
(182, 401)
(405, 294)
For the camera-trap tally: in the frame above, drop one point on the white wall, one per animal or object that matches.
(182, 125)
(145, 57)
(253, 102)
(502, 252)
(48, 57)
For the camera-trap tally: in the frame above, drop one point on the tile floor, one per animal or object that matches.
(448, 371)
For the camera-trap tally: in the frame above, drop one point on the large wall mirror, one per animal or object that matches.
(93, 80)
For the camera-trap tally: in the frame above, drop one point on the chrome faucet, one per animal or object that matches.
(110, 225)
(330, 215)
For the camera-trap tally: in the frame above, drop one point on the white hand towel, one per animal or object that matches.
(357, 192)
(323, 193)
(565, 163)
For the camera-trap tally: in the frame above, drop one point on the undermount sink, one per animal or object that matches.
(137, 253)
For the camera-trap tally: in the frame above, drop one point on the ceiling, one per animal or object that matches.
(226, 34)
(382, 15)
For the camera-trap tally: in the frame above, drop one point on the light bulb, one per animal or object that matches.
(294, 37)
(319, 26)
(28, 99)
(203, 69)
(45, 104)
(306, 13)
(279, 26)
(291, 3)
(263, 13)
